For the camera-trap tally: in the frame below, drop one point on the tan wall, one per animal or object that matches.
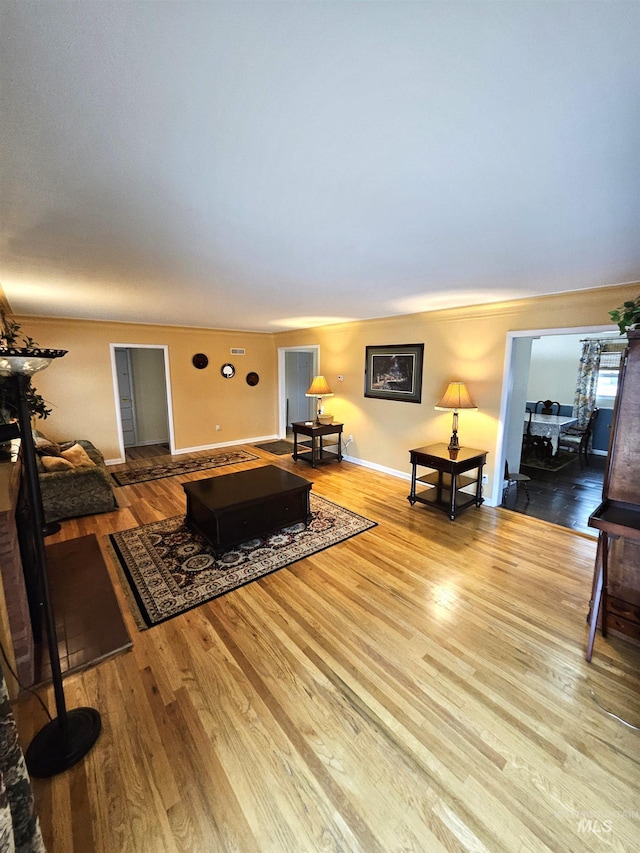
(554, 367)
(465, 343)
(79, 386)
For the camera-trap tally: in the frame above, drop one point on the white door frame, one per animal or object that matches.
(132, 402)
(116, 393)
(507, 393)
(314, 349)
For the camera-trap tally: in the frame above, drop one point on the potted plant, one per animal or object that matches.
(13, 339)
(627, 315)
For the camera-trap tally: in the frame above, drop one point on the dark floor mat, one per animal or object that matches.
(278, 448)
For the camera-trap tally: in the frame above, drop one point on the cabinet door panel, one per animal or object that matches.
(240, 524)
(287, 510)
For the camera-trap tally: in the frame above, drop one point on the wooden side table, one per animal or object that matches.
(318, 450)
(447, 477)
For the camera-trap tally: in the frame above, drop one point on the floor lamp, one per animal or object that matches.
(67, 738)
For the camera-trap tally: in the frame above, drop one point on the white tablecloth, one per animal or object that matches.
(550, 426)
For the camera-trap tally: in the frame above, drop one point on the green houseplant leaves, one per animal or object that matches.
(627, 315)
(11, 335)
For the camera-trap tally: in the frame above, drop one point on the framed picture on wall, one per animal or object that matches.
(394, 372)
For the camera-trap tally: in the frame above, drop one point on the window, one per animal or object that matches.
(608, 373)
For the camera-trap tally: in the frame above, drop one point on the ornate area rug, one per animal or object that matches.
(555, 463)
(279, 448)
(183, 466)
(171, 570)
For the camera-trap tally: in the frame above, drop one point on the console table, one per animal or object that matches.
(318, 452)
(447, 477)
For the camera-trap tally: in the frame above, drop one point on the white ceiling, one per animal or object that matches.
(273, 165)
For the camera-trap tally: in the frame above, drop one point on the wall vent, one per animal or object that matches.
(238, 351)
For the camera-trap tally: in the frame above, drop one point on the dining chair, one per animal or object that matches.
(547, 407)
(537, 445)
(577, 438)
(527, 437)
(517, 478)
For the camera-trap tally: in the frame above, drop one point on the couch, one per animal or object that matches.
(68, 490)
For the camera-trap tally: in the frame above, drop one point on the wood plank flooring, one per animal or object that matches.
(566, 497)
(420, 687)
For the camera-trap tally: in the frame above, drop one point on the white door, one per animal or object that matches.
(127, 408)
(298, 377)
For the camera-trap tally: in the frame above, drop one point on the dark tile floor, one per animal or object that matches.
(89, 625)
(566, 497)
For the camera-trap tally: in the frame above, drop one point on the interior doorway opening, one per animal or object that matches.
(565, 497)
(296, 368)
(142, 396)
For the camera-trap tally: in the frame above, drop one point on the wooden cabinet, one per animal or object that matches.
(615, 600)
(233, 508)
(451, 472)
(15, 619)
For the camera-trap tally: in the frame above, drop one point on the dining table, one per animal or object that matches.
(551, 426)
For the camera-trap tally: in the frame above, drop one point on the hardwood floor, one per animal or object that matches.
(566, 497)
(145, 451)
(419, 687)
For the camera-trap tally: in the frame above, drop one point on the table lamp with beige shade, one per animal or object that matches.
(320, 388)
(456, 397)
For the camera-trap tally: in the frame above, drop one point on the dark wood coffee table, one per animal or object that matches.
(232, 508)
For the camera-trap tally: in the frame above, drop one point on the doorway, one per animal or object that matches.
(296, 368)
(570, 495)
(142, 396)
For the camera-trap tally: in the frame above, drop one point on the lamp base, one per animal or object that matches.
(50, 752)
(453, 443)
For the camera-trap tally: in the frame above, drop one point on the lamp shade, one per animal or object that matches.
(319, 388)
(456, 397)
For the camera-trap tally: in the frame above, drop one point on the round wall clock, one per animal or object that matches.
(252, 379)
(228, 371)
(200, 360)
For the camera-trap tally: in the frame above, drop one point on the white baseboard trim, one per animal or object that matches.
(401, 475)
(218, 445)
(180, 450)
(383, 469)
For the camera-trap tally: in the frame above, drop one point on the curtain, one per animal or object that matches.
(585, 397)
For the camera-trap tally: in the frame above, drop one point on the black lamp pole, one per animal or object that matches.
(68, 737)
